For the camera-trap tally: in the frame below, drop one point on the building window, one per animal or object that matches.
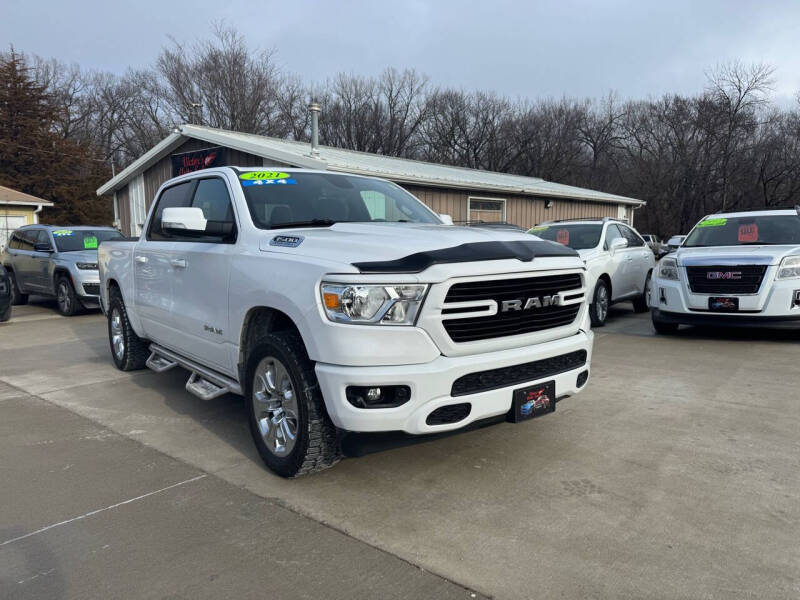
(488, 210)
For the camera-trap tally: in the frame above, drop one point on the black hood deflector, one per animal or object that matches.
(522, 250)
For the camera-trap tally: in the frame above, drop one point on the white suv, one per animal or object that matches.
(733, 269)
(618, 261)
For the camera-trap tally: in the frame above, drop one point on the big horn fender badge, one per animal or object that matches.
(287, 241)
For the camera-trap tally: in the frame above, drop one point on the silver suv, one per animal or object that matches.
(56, 261)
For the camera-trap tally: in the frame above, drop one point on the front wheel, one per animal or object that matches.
(663, 327)
(67, 300)
(17, 297)
(290, 426)
(128, 350)
(598, 309)
(642, 303)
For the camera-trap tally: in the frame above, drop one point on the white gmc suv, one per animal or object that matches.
(337, 303)
(618, 261)
(740, 269)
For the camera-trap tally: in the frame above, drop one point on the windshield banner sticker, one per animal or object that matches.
(63, 232)
(562, 237)
(247, 183)
(287, 241)
(538, 228)
(90, 242)
(748, 233)
(263, 175)
(713, 223)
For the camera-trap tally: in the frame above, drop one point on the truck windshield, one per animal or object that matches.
(293, 199)
(577, 237)
(74, 240)
(748, 230)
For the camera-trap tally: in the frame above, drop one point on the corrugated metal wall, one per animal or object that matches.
(524, 211)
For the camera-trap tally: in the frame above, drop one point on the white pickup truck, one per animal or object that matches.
(338, 303)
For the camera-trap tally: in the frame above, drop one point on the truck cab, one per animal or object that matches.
(338, 303)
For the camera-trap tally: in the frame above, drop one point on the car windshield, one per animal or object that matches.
(287, 199)
(577, 237)
(747, 230)
(74, 240)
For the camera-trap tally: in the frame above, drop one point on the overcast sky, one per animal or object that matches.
(523, 48)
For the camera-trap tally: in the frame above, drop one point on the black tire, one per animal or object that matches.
(17, 297)
(601, 301)
(315, 445)
(6, 314)
(66, 298)
(134, 351)
(664, 328)
(640, 303)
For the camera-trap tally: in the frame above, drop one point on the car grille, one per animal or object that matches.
(511, 322)
(493, 379)
(748, 281)
(91, 289)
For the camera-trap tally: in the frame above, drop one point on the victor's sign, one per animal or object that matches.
(188, 162)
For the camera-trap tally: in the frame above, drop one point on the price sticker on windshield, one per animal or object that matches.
(89, 242)
(562, 237)
(748, 233)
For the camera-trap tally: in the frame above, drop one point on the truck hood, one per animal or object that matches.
(352, 243)
(734, 255)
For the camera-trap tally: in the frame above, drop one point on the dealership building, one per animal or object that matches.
(464, 194)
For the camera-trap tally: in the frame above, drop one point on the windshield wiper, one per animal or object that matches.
(311, 223)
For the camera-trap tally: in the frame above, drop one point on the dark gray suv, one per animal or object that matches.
(56, 261)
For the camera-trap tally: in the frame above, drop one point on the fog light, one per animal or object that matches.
(385, 396)
(662, 296)
(796, 299)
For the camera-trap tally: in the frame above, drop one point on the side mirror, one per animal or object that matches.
(446, 219)
(183, 220)
(42, 247)
(618, 244)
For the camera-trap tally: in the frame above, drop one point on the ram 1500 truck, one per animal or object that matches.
(339, 303)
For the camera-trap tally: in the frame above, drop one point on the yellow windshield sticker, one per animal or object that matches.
(263, 175)
(719, 222)
(538, 228)
(89, 242)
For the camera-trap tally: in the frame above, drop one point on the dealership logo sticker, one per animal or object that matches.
(748, 233)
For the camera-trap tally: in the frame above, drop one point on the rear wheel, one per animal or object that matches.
(128, 350)
(17, 297)
(290, 426)
(641, 303)
(67, 300)
(598, 309)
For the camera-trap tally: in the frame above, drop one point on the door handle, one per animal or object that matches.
(140, 259)
(178, 262)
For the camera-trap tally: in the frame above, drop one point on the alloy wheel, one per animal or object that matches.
(275, 406)
(602, 302)
(117, 337)
(64, 302)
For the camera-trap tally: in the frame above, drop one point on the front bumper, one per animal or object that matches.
(431, 385)
(708, 319)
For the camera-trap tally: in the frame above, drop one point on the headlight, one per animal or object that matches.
(668, 269)
(790, 268)
(87, 266)
(372, 304)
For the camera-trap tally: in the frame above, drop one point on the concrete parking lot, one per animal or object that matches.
(675, 475)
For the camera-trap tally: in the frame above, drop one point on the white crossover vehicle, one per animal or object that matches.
(733, 269)
(337, 303)
(618, 261)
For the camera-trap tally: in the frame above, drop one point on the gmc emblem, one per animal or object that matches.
(535, 302)
(724, 275)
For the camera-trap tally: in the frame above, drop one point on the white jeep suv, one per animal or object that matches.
(740, 269)
(618, 261)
